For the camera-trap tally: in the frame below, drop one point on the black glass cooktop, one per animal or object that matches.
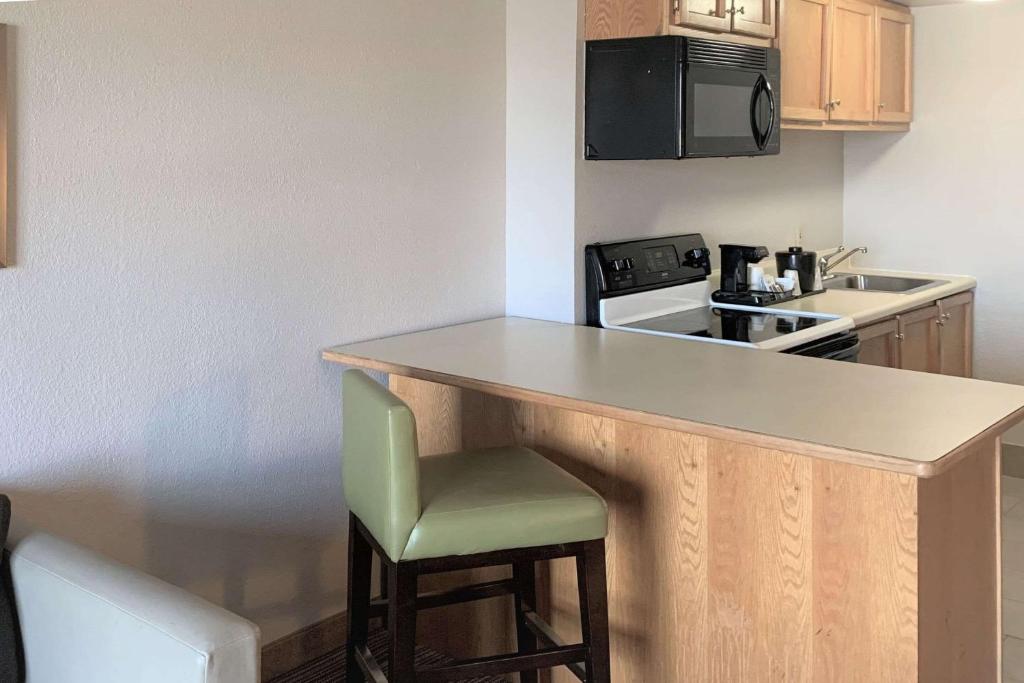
(727, 324)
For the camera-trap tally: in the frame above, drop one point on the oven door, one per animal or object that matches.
(729, 112)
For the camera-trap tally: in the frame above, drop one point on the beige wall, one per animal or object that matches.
(947, 196)
(206, 194)
(541, 157)
(776, 201)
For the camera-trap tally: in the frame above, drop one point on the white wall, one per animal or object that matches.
(795, 197)
(205, 194)
(541, 157)
(947, 197)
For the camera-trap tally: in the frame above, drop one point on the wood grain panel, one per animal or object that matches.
(959, 570)
(865, 574)
(759, 520)
(623, 18)
(728, 562)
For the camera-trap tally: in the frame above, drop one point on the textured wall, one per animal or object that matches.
(541, 157)
(205, 194)
(774, 201)
(946, 197)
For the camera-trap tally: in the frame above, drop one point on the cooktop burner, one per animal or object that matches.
(727, 324)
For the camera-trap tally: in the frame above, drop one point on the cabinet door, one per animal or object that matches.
(711, 15)
(893, 36)
(956, 335)
(624, 18)
(879, 344)
(853, 61)
(754, 17)
(805, 43)
(919, 339)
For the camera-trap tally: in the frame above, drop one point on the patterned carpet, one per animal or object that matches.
(331, 667)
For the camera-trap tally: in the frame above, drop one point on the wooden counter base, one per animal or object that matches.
(728, 562)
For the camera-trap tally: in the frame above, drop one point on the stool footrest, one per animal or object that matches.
(500, 664)
(546, 635)
(453, 596)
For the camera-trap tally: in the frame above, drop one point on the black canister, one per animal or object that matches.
(803, 262)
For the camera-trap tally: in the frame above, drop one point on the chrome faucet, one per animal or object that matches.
(826, 264)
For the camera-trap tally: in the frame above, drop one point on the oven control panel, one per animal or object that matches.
(631, 266)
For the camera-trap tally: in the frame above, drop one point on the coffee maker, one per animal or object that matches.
(735, 288)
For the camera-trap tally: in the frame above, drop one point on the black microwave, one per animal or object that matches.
(671, 97)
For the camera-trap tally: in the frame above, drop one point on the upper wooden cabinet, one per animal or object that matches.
(754, 17)
(845, 64)
(745, 21)
(712, 15)
(893, 40)
(805, 43)
(853, 61)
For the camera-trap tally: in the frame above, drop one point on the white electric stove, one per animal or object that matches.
(659, 286)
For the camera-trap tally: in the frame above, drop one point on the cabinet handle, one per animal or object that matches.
(947, 316)
(733, 11)
(900, 336)
(940, 322)
(881, 105)
(834, 103)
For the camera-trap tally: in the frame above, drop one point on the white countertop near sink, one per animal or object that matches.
(867, 307)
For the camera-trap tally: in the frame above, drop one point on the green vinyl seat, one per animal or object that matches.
(497, 499)
(457, 503)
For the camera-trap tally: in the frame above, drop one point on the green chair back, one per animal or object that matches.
(380, 461)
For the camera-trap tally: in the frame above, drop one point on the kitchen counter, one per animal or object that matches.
(866, 307)
(771, 517)
(858, 414)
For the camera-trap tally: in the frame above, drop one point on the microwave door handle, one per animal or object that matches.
(755, 97)
(771, 112)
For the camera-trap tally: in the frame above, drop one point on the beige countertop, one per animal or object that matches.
(867, 307)
(908, 422)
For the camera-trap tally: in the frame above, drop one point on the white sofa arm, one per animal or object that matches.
(86, 619)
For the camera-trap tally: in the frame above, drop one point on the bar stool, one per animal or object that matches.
(500, 506)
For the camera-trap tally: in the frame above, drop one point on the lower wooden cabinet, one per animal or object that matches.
(879, 344)
(919, 339)
(937, 338)
(956, 336)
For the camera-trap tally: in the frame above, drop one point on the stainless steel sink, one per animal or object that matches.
(879, 283)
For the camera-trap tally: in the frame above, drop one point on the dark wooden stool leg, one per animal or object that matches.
(383, 576)
(402, 622)
(525, 577)
(360, 564)
(590, 572)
